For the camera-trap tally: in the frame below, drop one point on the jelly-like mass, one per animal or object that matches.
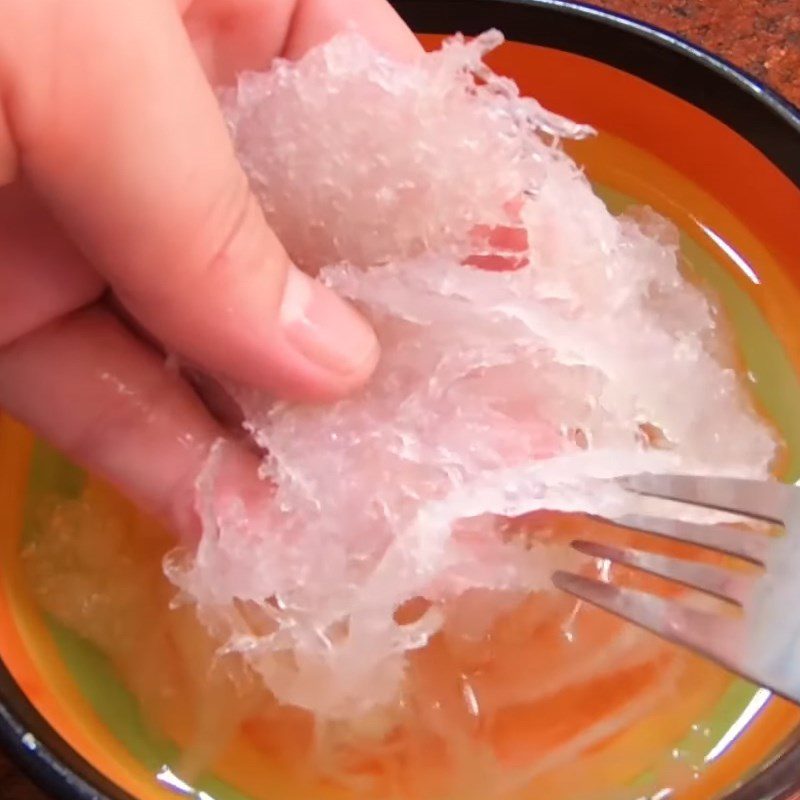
(534, 346)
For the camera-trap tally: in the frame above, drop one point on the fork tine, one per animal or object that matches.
(747, 545)
(760, 499)
(722, 583)
(713, 636)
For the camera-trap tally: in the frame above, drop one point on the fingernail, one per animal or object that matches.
(324, 328)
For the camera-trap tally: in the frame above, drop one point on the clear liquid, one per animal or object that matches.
(692, 738)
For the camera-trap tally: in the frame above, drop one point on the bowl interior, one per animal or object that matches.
(726, 196)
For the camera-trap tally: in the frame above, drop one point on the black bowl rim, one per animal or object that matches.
(756, 112)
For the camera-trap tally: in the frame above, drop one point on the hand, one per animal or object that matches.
(117, 176)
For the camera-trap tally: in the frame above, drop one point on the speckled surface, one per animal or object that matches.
(761, 36)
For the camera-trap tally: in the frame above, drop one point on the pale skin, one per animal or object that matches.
(117, 176)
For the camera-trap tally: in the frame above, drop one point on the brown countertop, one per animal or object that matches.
(762, 36)
(13, 786)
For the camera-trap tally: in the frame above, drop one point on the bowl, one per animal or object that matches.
(681, 130)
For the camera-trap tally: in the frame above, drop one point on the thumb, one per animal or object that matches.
(118, 128)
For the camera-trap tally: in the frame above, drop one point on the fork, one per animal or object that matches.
(762, 641)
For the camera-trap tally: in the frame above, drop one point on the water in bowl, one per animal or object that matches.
(560, 701)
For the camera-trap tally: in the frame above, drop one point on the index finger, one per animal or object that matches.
(316, 21)
(231, 36)
(119, 129)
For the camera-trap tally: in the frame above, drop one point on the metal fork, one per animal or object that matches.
(762, 641)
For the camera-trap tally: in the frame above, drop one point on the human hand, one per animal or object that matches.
(117, 176)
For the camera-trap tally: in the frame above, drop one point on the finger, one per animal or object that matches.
(107, 401)
(42, 274)
(317, 21)
(8, 156)
(230, 36)
(132, 153)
